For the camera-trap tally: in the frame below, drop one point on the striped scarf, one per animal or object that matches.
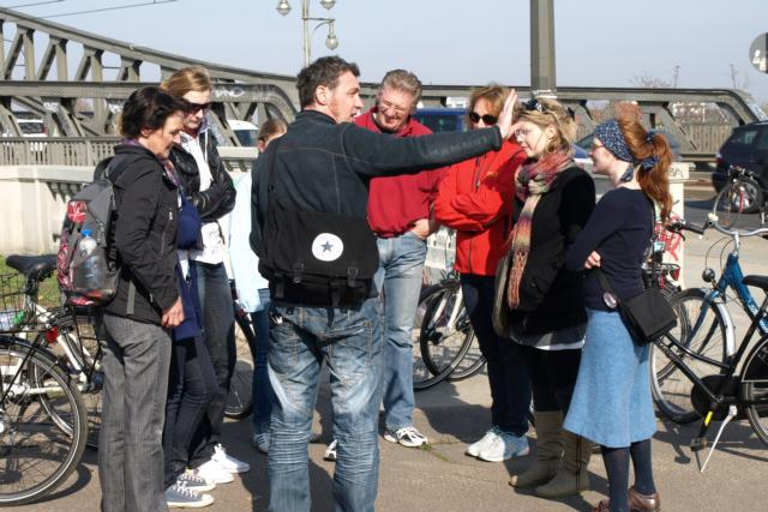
(532, 182)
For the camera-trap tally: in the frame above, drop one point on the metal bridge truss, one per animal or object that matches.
(84, 103)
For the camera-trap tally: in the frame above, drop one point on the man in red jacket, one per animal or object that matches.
(399, 213)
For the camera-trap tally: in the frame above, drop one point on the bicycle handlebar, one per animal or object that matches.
(679, 225)
(712, 222)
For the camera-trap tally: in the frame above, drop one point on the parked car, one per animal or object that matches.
(245, 132)
(747, 147)
(442, 119)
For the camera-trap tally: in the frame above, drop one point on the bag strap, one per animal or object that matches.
(272, 182)
(604, 283)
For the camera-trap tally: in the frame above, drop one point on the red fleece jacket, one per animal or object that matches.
(476, 198)
(396, 202)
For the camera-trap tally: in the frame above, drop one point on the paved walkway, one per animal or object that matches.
(442, 478)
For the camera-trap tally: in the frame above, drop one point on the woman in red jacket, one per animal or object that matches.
(476, 199)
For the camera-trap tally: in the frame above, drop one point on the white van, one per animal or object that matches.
(245, 132)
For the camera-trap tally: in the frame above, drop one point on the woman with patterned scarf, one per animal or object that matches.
(612, 402)
(546, 315)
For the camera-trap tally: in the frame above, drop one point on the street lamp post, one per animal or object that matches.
(331, 42)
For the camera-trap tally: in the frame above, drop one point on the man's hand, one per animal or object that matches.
(422, 228)
(174, 315)
(593, 260)
(507, 115)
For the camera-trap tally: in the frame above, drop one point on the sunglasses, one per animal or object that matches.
(488, 119)
(534, 104)
(194, 108)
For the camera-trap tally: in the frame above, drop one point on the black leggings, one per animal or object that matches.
(553, 377)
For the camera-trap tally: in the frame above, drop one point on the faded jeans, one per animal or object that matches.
(401, 262)
(301, 340)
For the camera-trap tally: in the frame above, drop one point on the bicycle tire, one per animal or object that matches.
(755, 386)
(81, 333)
(743, 196)
(431, 318)
(240, 397)
(35, 452)
(671, 388)
(472, 363)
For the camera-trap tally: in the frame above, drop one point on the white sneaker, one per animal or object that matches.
(228, 462)
(406, 436)
(213, 472)
(504, 447)
(475, 448)
(330, 452)
(180, 496)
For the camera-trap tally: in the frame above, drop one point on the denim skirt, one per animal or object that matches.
(612, 404)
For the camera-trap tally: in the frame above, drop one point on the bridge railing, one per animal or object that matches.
(87, 152)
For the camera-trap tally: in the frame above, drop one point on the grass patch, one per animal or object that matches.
(49, 289)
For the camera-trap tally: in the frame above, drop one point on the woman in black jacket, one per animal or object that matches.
(137, 349)
(554, 199)
(210, 189)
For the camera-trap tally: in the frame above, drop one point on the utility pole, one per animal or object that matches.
(543, 79)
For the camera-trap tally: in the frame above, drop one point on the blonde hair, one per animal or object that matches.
(192, 78)
(549, 112)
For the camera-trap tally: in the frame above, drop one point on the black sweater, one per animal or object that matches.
(620, 231)
(550, 295)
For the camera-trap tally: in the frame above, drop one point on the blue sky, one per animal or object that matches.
(598, 42)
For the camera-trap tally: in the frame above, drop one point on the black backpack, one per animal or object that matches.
(314, 258)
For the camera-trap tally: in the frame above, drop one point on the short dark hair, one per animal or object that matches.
(324, 71)
(148, 108)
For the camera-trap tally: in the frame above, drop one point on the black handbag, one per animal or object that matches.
(647, 316)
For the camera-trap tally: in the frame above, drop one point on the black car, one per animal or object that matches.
(747, 147)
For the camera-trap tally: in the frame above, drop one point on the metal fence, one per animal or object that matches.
(79, 152)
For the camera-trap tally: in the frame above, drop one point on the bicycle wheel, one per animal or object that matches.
(444, 336)
(38, 450)
(79, 336)
(240, 396)
(744, 196)
(755, 387)
(701, 329)
(473, 362)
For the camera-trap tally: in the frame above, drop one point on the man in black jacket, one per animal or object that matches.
(322, 165)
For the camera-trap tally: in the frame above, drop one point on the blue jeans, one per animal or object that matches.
(401, 261)
(508, 375)
(349, 341)
(219, 336)
(262, 389)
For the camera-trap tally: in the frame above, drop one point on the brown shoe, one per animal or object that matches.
(643, 503)
(603, 506)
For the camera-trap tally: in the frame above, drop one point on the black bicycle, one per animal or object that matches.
(733, 387)
(240, 397)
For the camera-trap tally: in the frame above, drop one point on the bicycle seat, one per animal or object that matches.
(758, 281)
(33, 267)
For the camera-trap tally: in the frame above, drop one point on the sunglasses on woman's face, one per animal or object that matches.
(194, 108)
(488, 119)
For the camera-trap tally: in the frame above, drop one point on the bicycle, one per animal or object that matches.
(70, 333)
(743, 195)
(710, 362)
(43, 424)
(240, 396)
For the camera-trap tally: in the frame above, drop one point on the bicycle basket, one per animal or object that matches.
(14, 309)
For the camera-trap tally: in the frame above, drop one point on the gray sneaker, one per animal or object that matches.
(195, 482)
(180, 496)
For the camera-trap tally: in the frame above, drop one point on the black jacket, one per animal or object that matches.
(144, 236)
(216, 201)
(551, 297)
(323, 166)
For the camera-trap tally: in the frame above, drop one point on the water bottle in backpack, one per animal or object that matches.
(88, 265)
